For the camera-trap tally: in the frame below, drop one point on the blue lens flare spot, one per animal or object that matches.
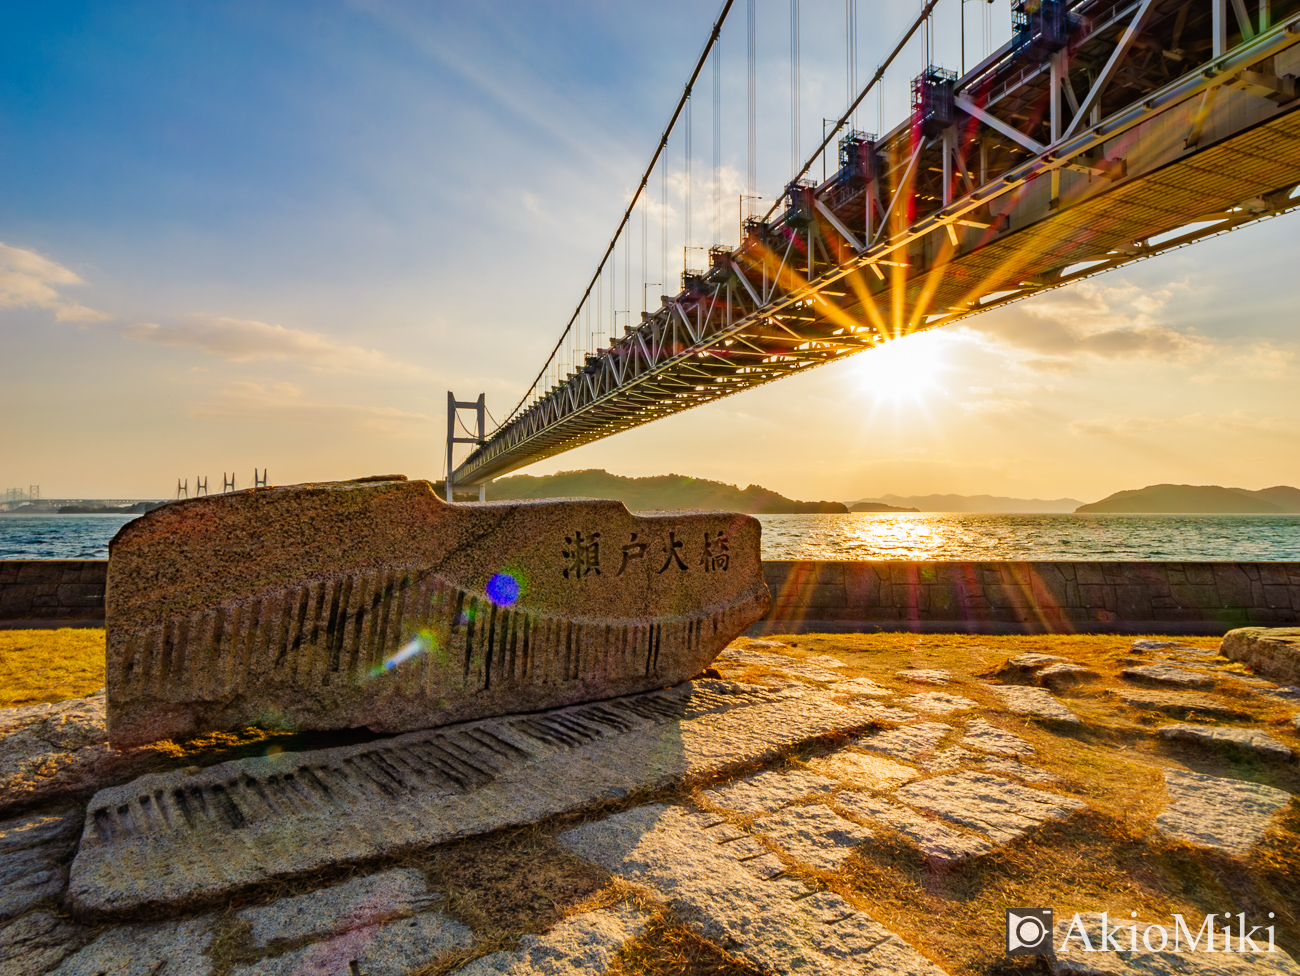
(503, 589)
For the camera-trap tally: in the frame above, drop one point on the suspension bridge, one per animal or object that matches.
(1102, 132)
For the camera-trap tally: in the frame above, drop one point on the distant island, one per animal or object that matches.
(878, 507)
(661, 492)
(994, 504)
(1199, 500)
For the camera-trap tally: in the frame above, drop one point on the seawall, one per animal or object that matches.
(1030, 597)
(977, 598)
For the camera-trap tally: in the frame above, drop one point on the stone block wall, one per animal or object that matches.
(978, 598)
(49, 590)
(1030, 597)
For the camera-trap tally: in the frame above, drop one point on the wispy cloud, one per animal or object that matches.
(1236, 423)
(246, 341)
(283, 403)
(994, 406)
(28, 279)
(1089, 319)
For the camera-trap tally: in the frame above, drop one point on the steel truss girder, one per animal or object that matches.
(759, 319)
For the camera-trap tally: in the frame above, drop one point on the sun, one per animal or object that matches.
(906, 368)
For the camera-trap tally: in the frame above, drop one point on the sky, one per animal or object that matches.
(238, 234)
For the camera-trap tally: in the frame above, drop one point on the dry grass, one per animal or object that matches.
(50, 665)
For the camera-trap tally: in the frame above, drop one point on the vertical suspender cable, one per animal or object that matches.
(875, 78)
(686, 243)
(751, 152)
(663, 141)
(663, 226)
(717, 144)
(794, 85)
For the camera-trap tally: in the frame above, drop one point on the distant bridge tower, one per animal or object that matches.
(227, 484)
(453, 405)
(257, 482)
(33, 493)
(200, 487)
(183, 489)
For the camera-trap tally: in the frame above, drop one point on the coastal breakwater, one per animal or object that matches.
(1188, 598)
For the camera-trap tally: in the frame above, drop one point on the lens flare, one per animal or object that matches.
(503, 589)
(421, 643)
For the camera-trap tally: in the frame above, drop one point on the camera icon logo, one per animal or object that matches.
(1029, 932)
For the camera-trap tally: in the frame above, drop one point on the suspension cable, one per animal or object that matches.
(875, 78)
(663, 141)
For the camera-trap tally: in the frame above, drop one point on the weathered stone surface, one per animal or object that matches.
(950, 758)
(173, 948)
(925, 676)
(1065, 675)
(938, 702)
(862, 686)
(1226, 814)
(1247, 740)
(779, 662)
(392, 949)
(254, 819)
(982, 736)
(586, 943)
(768, 791)
(1143, 646)
(825, 660)
(813, 834)
(942, 846)
(776, 926)
(909, 741)
(1177, 702)
(1271, 651)
(868, 772)
(33, 855)
(377, 604)
(1033, 662)
(1020, 770)
(989, 804)
(341, 908)
(1080, 950)
(1036, 702)
(1165, 674)
(36, 942)
(53, 753)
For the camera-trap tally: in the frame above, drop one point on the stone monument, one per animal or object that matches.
(373, 603)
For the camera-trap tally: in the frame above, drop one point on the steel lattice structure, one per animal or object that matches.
(1105, 132)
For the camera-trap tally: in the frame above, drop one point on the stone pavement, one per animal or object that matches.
(737, 808)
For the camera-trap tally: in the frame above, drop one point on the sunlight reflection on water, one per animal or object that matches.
(962, 536)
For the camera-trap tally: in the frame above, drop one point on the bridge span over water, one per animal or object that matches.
(1103, 132)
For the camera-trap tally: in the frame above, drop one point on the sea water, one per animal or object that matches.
(924, 536)
(973, 537)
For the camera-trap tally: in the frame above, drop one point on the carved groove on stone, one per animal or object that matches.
(343, 629)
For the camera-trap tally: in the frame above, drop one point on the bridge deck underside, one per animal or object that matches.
(770, 310)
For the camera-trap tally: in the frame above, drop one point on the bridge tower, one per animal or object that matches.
(480, 408)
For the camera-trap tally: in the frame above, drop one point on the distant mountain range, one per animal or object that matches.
(662, 492)
(1200, 499)
(997, 504)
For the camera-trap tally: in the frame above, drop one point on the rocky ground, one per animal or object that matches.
(839, 804)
